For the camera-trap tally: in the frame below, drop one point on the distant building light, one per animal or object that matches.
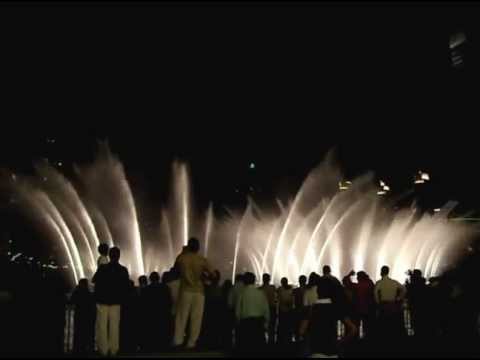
(457, 39)
(425, 176)
(344, 185)
(15, 257)
(437, 210)
(252, 165)
(386, 188)
(381, 192)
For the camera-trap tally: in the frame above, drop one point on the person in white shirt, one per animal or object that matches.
(252, 313)
(310, 296)
(389, 296)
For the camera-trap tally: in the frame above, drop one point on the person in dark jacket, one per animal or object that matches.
(111, 286)
(84, 318)
(158, 306)
(331, 298)
(129, 334)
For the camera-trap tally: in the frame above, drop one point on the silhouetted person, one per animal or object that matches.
(362, 299)
(84, 318)
(142, 313)
(53, 313)
(233, 297)
(365, 302)
(389, 295)
(419, 304)
(130, 320)
(320, 319)
(193, 270)
(158, 304)
(212, 323)
(228, 317)
(330, 294)
(103, 251)
(103, 259)
(271, 296)
(111, 287)
(310, 296)
(142, 283)
(298, 294)
(252, 313)
(285, 312)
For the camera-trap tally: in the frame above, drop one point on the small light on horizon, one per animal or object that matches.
(436, 210)
(252, 165)
(425, 176)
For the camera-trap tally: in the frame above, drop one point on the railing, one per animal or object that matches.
(68, 332)
(70, 311)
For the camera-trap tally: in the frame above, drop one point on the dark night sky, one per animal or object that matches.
(226, 85)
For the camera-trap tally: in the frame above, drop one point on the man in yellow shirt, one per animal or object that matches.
(389, 296)
(191, 302)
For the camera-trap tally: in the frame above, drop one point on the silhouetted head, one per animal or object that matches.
(142, 281)
(362, 276)
(249, 278)
(131, 285)
(239, 278)
(312, 279)
(103, 249)
(83, 284)
(284, 282)
(417, 274)
(154, 277)
(217, 277)
(193, 245)
(326, 270)
(302, 280)
(385, 271)
(166, 276)
(266, 279)
(114, 254)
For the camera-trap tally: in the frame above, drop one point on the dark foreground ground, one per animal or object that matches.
(407, 348)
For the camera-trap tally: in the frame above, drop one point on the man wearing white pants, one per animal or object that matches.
(191, 302)
(111, 286)
(108, 329)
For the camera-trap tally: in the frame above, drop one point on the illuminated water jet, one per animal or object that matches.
(350, 227)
